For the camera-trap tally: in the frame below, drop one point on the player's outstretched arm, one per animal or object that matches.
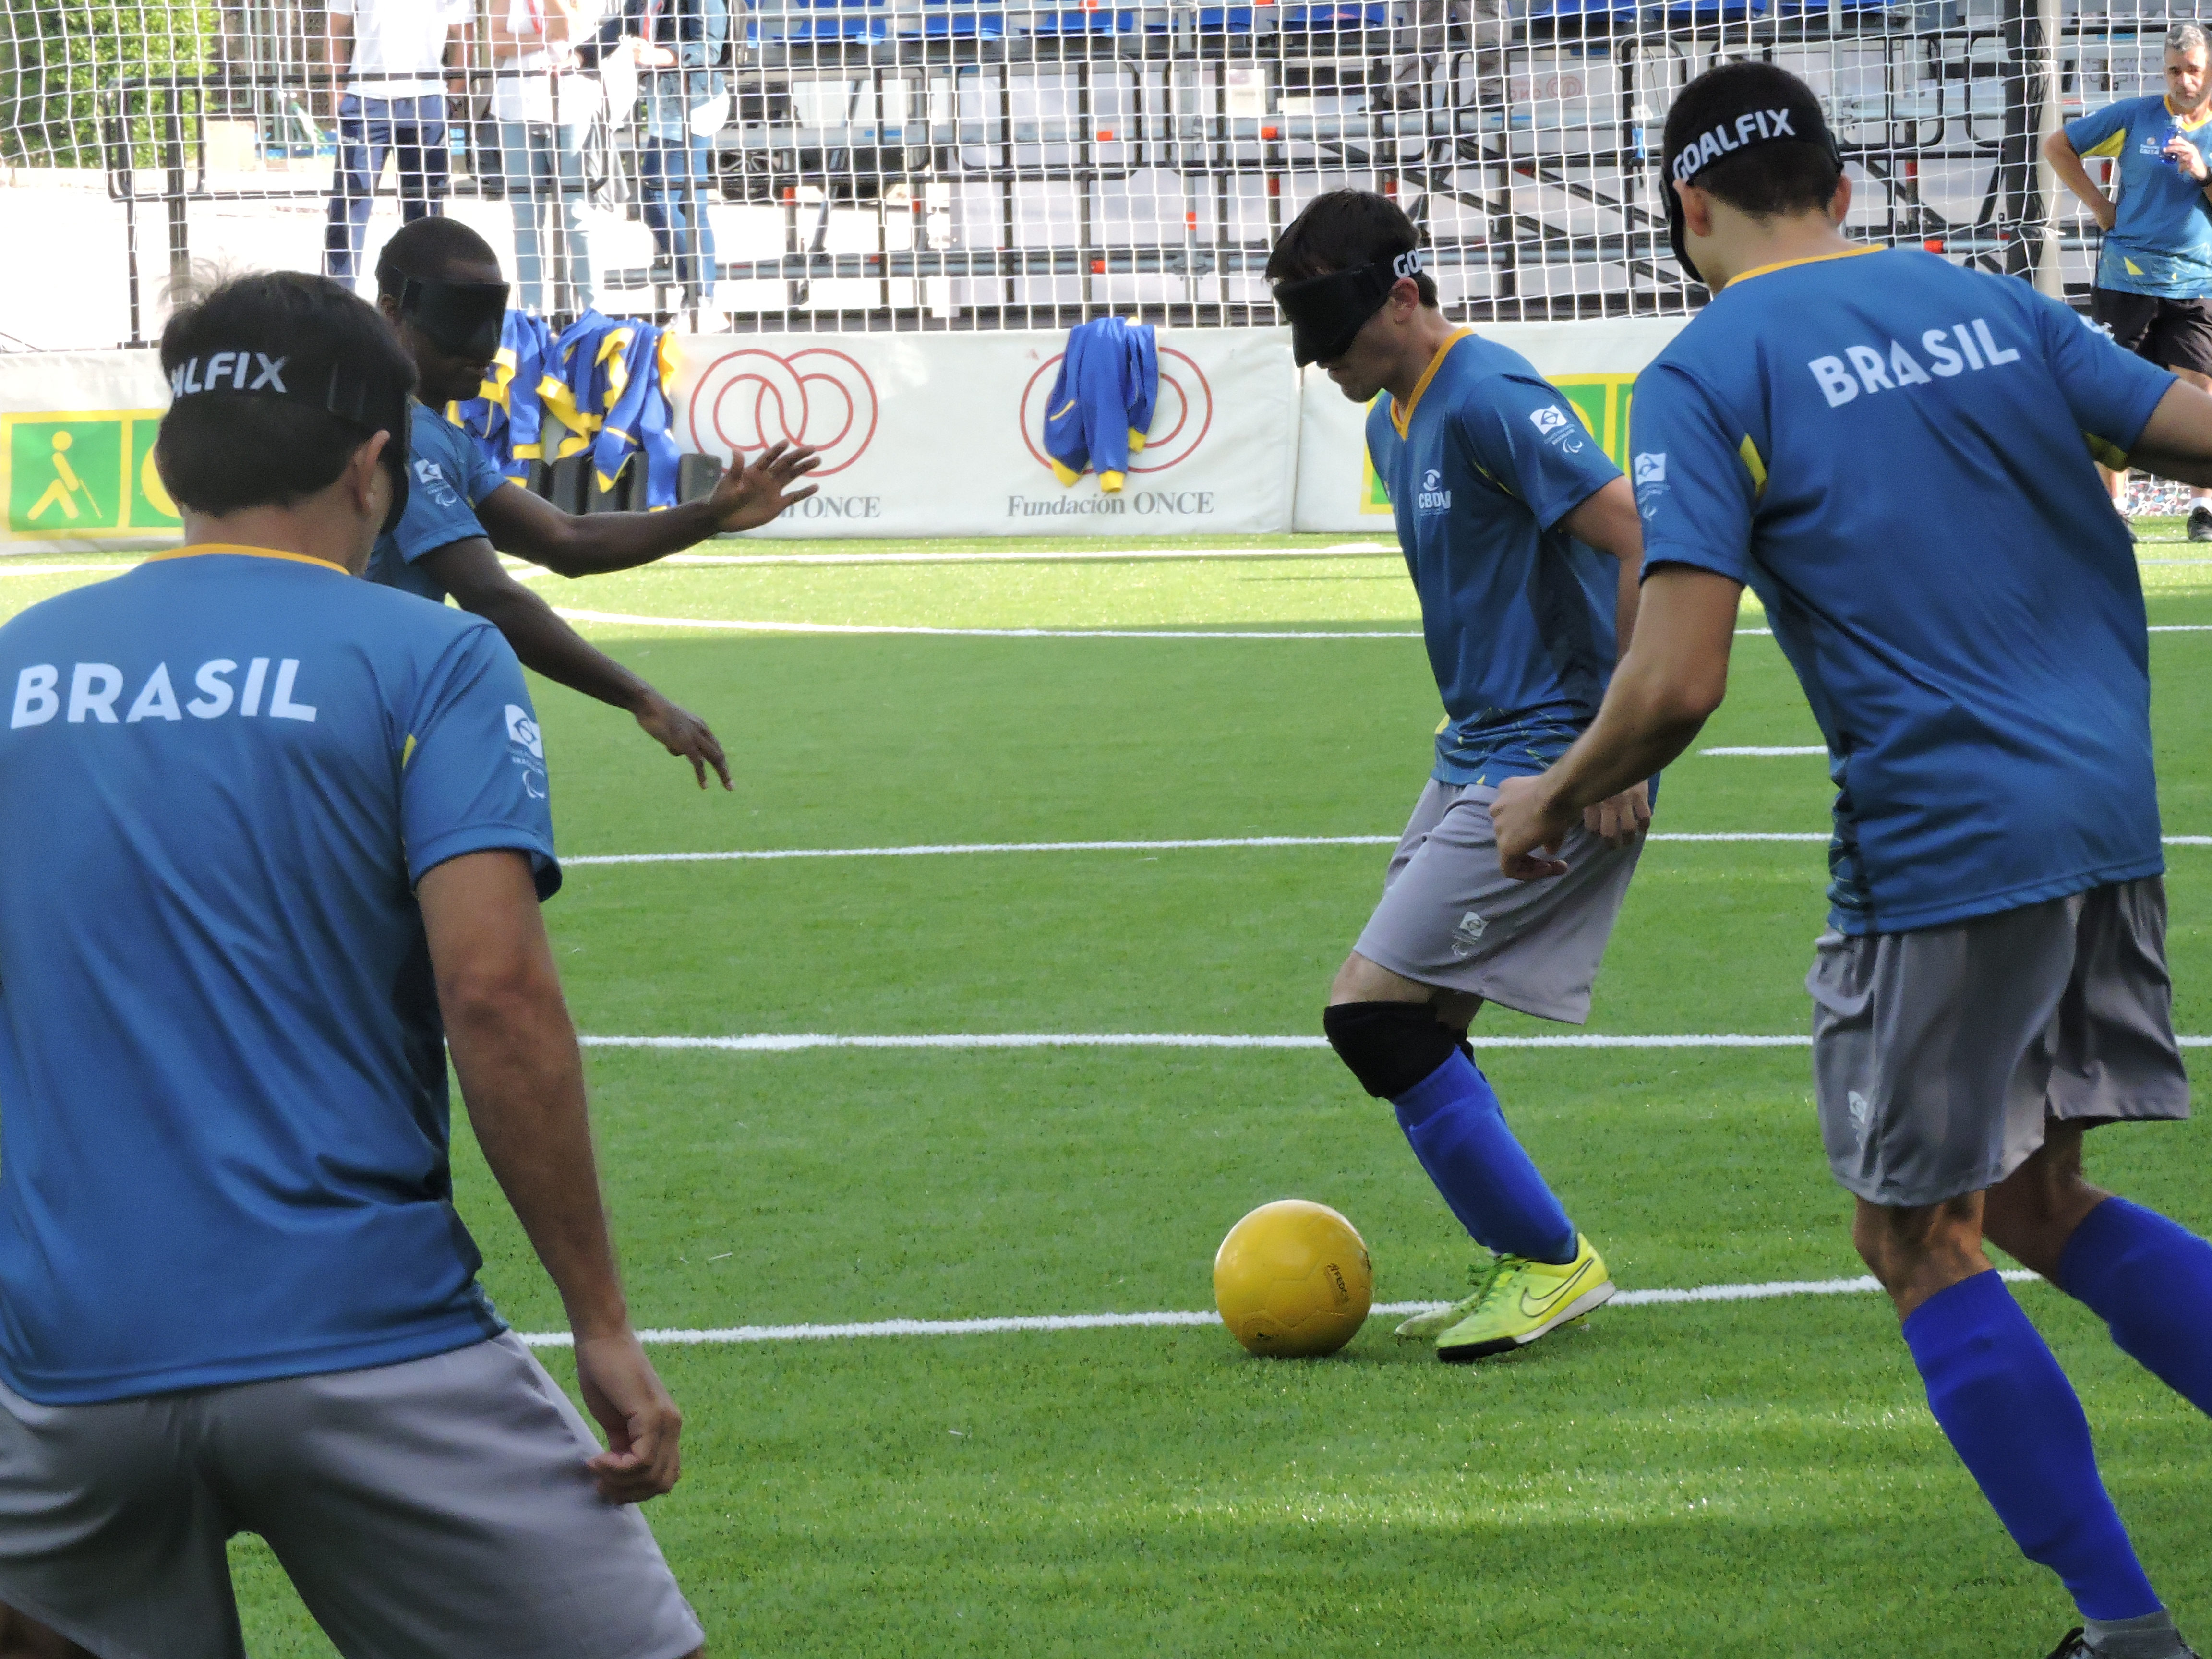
(2176, 443)
(471, 573)
(1672, 679)
(521, 524)
(522, 1080)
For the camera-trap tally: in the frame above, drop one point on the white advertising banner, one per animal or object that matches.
(1594, 364)
(923, 434)
(942, 435)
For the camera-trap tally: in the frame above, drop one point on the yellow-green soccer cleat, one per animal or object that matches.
(1428, 1326)
(1523, 1299)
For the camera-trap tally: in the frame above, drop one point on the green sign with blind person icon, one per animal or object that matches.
(89, 474)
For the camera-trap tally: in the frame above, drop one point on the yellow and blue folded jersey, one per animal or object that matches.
(2162, 242)
(574, 389)
(1102, 400)
(639, 414)
(506, 417)
(1896, 455)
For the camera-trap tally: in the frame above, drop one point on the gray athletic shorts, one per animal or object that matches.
(1449, 916)
(425, 1511)
(1939, 1056)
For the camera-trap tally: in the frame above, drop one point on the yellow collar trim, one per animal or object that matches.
(2187, 123)
(1812, 259)
(198, 548)
(1402, 421)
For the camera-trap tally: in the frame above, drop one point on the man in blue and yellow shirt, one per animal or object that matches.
(1895, 454)
(2153, 284)
(1522, 540)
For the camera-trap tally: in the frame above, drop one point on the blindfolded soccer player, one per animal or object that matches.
(1523, 544)
(439, 283)
(1896, 455)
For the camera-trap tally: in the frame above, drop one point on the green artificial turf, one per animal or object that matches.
(1749, 1478)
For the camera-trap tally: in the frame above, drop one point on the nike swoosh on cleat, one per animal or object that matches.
(1536, 1307)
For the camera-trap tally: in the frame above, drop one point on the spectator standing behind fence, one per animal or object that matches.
(1422, 42)
(387, 79)
(2153, 282)
(544, 102)
(679, 46)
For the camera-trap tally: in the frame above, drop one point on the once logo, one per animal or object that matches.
(1181, 416)
(749, 400)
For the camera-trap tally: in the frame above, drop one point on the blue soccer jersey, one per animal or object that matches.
(1895, 454)
(223, 1147)
(2160, 241)
(451, 476)
(1481, 466)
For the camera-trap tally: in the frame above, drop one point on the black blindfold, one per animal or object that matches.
(1794, 118)
(372, 405)
(1326, 311)
(462, 320)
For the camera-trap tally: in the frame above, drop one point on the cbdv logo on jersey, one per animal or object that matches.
(1429, 498)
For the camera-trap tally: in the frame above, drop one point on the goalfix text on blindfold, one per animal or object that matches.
(370, 404)
(1326, 311)
(1759, 117)
(462, 318)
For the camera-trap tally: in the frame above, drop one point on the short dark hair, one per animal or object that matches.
(1767, 181)
(429, 248)
(220, 452)
(1345, 230)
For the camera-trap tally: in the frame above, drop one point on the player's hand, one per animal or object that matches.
(2188, 157)
(1527, 828)
(685, 735)
(747, 496)
(2105, 211)
(1619, 821)
(627, 1400)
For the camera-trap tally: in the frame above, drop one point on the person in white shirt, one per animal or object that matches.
(544, 101)
(387, 61)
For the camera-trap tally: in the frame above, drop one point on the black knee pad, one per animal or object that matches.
(1388, 1046)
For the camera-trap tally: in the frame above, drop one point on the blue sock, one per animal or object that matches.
(2150, 1280)
(1458, 1131)
(2014, 1421)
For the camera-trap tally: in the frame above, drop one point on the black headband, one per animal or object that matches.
(370, 405)
(1326, 311)
(462, 318)
(1742, 124)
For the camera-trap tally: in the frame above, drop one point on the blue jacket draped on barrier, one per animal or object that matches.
(1102, 403)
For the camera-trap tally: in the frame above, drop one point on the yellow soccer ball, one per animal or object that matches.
(1292, 1279)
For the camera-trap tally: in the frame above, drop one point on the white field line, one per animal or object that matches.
(957, 849)
(1790, 749)
(983, 633)
(1769, 1291)
(780, 1042)
(1116, 556)
(785, 1042)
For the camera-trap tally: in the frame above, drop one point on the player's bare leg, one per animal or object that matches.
(24, 1637)
(2033, 1213)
